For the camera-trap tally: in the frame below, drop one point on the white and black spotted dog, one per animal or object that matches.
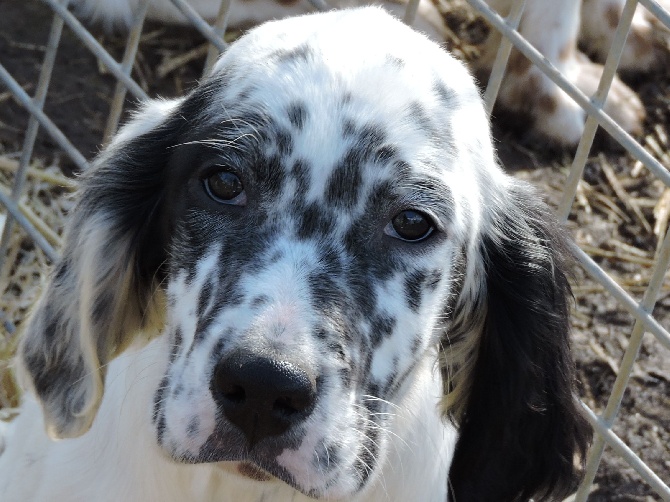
(306, 279)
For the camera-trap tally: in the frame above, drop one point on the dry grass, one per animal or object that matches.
(46, 204)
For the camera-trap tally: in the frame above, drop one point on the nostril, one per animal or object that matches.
(289, 406)
(235, 394)
(228, 388)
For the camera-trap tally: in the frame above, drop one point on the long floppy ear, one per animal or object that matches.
(104, 290)
(519, 425)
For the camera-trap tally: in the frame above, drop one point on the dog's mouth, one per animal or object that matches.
(261, 469)
(247, 470)
(252, 471)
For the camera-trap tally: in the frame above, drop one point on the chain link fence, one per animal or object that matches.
(639, 302)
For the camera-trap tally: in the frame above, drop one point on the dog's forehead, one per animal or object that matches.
(356, 89)
(318, 103)
(360, 67)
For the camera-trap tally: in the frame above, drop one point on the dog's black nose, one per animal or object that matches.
(263, 396)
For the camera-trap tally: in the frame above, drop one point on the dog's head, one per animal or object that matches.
(318, 223)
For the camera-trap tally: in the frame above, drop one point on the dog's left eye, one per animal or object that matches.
(410, 226)
(226, 187)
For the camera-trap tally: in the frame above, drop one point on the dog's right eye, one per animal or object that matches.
(226, 187)
(410, 226)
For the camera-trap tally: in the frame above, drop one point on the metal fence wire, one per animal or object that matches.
(645, 322)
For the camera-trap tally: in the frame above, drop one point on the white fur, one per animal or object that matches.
(291, 328)
(119, 460)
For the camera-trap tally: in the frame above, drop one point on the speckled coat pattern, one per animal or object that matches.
(330, 206)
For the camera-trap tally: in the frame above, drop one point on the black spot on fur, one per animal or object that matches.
(301, 53)
(259, 301)
(397, 381)
(416, 343)
(276, 255)
(275, 174)
(381, 193)
(369, 449)
(177, 337)
(300, 173)
(245, 94)
(324, 290)
(366, 252)
(447, 96)
(177, 391)
(284, 142)
(217, 352)
(345, 376)
(297, 114)
(332, 455)
(193, 427)
(370, 140)
(202, 326)
(160, 428)
(365, 463)
(381, 328)
(330, 259)
(401, 167)
(395, 61)
(433, 279)
(176, 343)
(362, 290)
(414, 289)
(348, 128)
(158, 397)
(336, 348)
(343, 186)
(364, 368)
(227, 295)
(385, 154)
(314, 221)
(420, 118)
(321, 334)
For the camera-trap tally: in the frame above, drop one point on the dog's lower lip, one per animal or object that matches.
(246, 469)
(251, 471)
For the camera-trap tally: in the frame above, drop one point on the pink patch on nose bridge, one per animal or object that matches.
(281, 319)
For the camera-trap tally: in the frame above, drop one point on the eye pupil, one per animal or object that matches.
(412, 225)
(224, 186)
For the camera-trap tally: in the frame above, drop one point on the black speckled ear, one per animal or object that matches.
(521, 428)
(104, 291)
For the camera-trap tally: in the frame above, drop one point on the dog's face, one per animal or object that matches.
(306, 281)
(309, 229)
(317, 237)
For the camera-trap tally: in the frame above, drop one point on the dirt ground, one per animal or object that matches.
(613, 220)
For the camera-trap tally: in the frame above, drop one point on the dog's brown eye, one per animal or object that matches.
(411, 226)
(226, 187)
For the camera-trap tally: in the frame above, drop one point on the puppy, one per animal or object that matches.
(307, 279)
